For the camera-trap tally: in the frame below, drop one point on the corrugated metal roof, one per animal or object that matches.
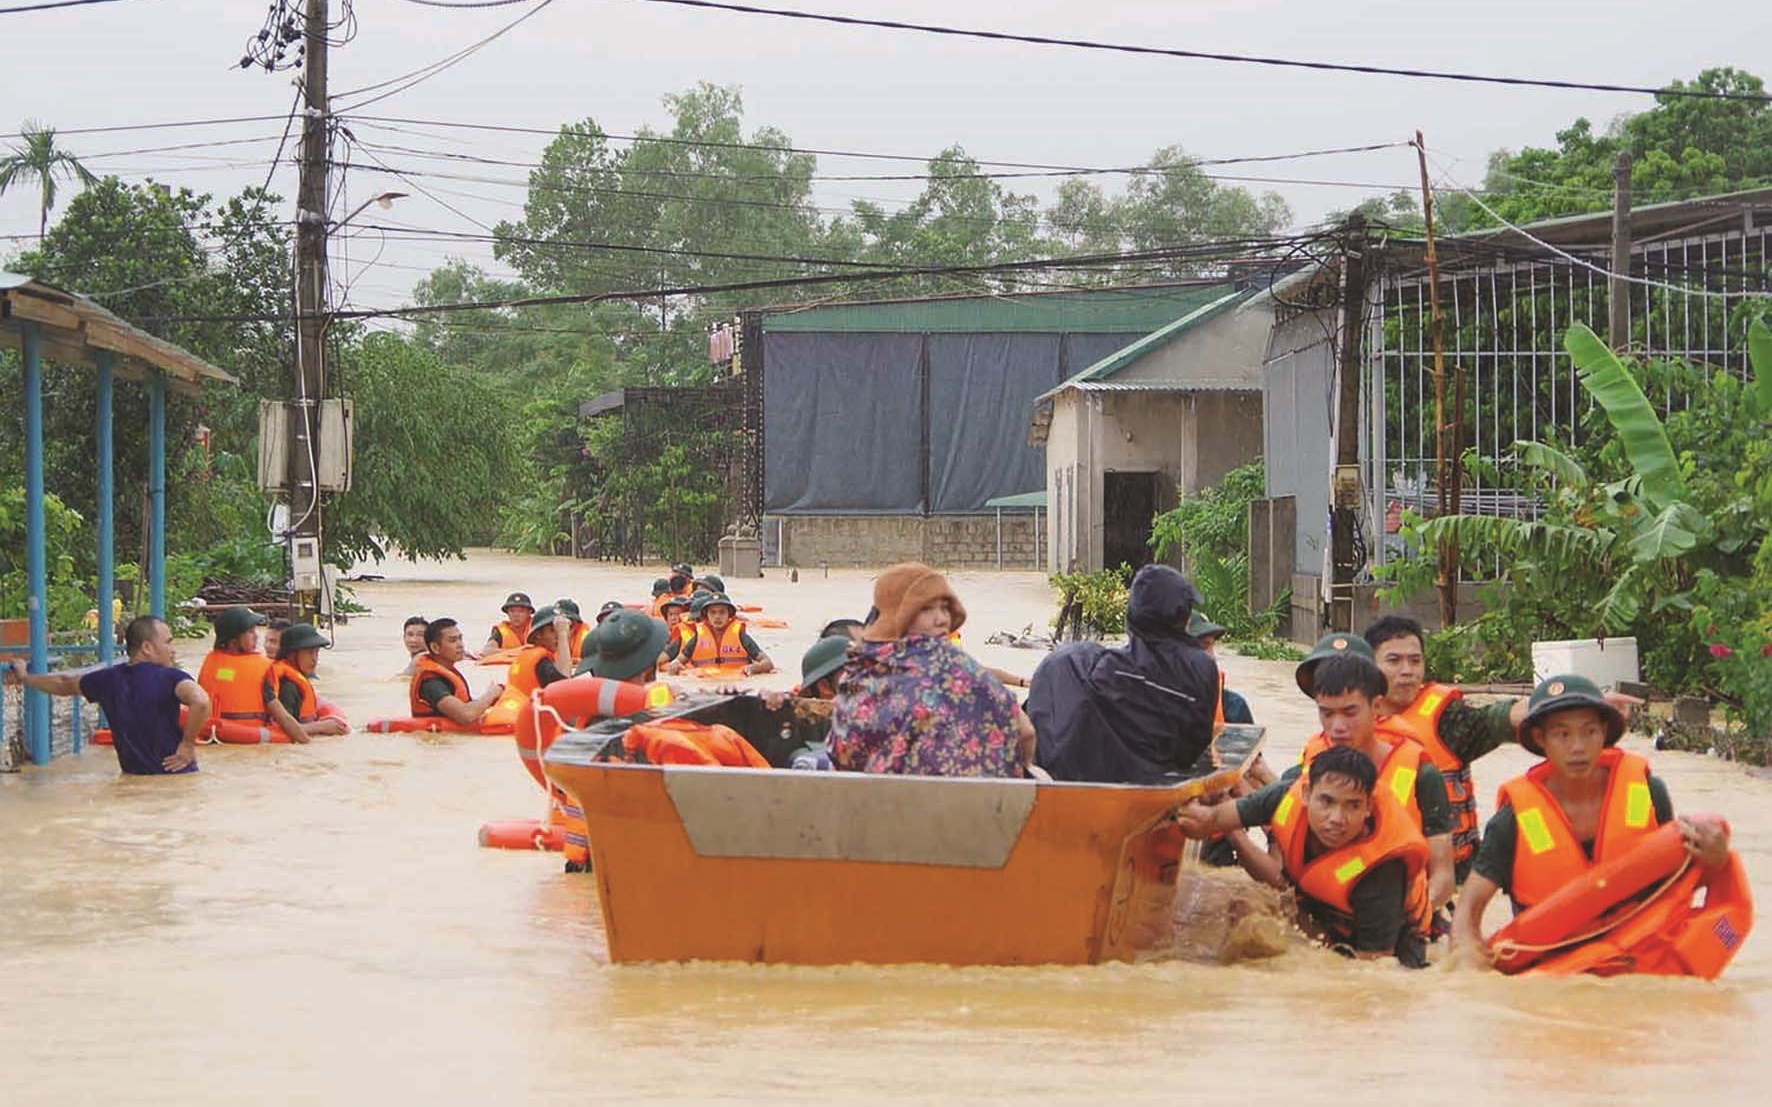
(1128, 310)
(76, 331)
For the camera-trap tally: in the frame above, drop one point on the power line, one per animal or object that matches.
(1204, 55)
(466, 5)
(52, 4)
(425, 73)
(1200, 252)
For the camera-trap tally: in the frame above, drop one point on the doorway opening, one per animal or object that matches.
(1129, 504)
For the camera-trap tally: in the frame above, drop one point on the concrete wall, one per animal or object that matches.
(945, 541)
(1307, 608)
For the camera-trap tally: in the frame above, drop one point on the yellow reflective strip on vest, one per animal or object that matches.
(1430, 703)
(1403, 786)
(224, 674)
(1531, 824)
(1347, 870)
(1283, 813)
(1637, 806)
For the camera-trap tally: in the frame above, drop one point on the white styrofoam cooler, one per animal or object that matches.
(1605, 661)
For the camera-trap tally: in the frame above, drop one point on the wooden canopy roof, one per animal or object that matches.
(75, 330)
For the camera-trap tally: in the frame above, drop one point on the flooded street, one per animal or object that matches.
(315, 925)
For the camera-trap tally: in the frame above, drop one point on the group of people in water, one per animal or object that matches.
(1375, 829)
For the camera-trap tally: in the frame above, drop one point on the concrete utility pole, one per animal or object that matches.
(1448, 430)
(310, 327)
(1618, 289)
(1344, 501)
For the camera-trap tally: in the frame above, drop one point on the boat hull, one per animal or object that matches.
(825, 868)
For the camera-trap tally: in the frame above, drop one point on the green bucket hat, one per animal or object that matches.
(826, 656)
(624, 645)
(569, 607)
(1330, 645)
(1559, 693)
(1198, 626)
(300, 636)
(232, 622)
(544, 618)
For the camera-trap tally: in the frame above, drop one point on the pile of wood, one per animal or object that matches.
(226, 593)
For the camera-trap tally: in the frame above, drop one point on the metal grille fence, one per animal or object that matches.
(1504, 321)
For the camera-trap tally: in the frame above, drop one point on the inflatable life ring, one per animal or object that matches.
(573, 701)
(1598, 924)
(530, 834)
(236, 732)
(432, 724)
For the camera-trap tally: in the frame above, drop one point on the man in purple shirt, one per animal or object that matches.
(141, 700)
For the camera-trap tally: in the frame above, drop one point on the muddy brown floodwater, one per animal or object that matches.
(315, 925)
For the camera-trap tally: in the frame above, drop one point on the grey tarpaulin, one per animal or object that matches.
(842, 423)
(844, 417)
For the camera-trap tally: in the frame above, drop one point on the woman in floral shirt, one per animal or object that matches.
(912, 702)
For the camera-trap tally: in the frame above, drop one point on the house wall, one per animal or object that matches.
(945, 541)
(1063, 493)
(1224, 352)
(1297, 394)
(1191, 439)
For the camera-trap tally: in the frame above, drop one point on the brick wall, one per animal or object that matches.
(945, 541)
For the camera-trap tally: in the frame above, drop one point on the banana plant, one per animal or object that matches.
(1638, 535)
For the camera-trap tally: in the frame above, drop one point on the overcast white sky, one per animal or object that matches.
(143, 61)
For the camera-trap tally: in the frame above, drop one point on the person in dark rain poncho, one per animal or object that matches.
(1134, 714)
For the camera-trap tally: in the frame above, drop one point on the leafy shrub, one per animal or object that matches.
(1092, 604)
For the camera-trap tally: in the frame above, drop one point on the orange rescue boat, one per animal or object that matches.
(819, 868)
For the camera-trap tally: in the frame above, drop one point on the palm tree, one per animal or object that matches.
(39, 160)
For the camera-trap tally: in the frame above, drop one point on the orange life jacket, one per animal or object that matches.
(1329, 877)
(1548, 854)
(680, 742)
(1396, 777)
(425, 666)
(1421, 722)
(711, 647)
(520, 681)
(1218, 707)
(509, 638)
(282, 670)
(575, 641)
(236, 685)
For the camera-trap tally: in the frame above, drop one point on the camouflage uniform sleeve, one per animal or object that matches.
(1470, 730)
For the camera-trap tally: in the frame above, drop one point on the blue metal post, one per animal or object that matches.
(36, 703)
(157, 495)
(107, 583)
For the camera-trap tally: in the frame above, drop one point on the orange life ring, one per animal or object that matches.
(1597, 917)
(101, 736)
(431, 724)
(523, 834)
(236, 732)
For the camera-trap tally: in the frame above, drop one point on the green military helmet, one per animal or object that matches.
(1330, 645)
(1560, 693)
(827, 656)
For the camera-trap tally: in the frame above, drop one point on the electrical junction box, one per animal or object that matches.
(333, 430)
(304, 564)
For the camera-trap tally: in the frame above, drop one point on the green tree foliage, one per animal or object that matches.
(1682, 147)
(146, 252)
(40, 161)
(434, 461)
(69, 595)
